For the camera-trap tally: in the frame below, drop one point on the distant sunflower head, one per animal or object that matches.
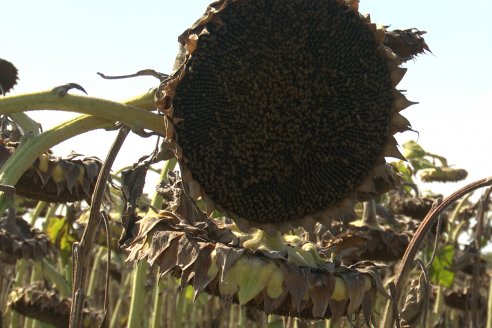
(281, 112)
(8, 76)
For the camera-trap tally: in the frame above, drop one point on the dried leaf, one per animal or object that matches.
(355, 284)
(321, 288)
(202, 264)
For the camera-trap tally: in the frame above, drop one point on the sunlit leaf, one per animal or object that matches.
(59, 234)
(439, 271)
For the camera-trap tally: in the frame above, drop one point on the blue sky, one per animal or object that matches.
(55, 42)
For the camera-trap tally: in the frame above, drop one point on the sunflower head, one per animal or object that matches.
(281, 112)
(8, 76)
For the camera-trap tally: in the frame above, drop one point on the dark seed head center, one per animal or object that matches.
(285, 107)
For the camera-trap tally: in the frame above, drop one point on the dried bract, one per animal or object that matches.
(44, 305)
(21, 241)
(271, 284)
(56, 179)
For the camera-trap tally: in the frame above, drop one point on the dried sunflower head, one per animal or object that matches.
(281, 112)
(55, 179)
(8, 76)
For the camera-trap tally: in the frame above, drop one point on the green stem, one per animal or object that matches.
(138, 295)
(57, 278)
(36, 275)
(26, 124)
(489, 306)
(180, 309)
(158, 300)
(37, 212)
(439, 302)
(19, 277)
(136, 307)
(31, 148)
(116, 318)
(134, 117)
(145, 100)
(91, 288)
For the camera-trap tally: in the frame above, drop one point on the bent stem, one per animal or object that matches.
(134, 117)
(31, 148)
(417, 240)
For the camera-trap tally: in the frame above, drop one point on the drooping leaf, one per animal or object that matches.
(59, 233)
(440, 272)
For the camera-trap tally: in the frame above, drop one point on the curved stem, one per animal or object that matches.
(32, 147)
(26, 124)
(136, 118)
(419, 237)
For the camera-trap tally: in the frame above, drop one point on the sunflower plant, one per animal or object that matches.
(275, 124)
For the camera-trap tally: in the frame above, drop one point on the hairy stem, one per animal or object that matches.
(131, 116)
(81, 250)
(32, 147)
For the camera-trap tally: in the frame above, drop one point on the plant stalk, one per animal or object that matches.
(489, 306)
(137, 304)
(81, 250)
(134, 117)
(417, 240)
(138, 295)
(32, 147)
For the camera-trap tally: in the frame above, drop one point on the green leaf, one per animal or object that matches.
(411, 149)
(404, 170)
(59, 233)
(439, 271)
(420, 163)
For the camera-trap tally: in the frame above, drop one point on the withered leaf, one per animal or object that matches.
(297, 281)
(161, 241)
(187, 252)
(201, 265)
(368, 306)
(168, 259)
(271, 304)
(321, 288)
(226, 258)
(338, 309)
(355, 284)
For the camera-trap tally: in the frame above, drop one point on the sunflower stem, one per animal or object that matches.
(158, 300)
(57, 278)
(134, 117)
(26, 124)
(262, 240)
(116, 316)
(81, 251)
(133, 112)
(40, 206)
(91, 288)
(31, 147)
(180, 309)
(137, 303)
(138, 295)
(155, 321)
